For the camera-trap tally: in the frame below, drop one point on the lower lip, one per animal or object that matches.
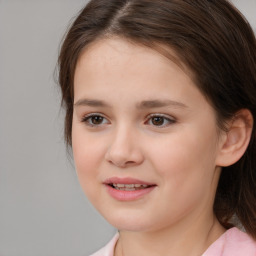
(123, 195)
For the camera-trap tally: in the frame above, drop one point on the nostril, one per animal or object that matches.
(130, 163)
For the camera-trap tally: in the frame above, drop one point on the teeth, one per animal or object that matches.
(119, 185)
(129, 187)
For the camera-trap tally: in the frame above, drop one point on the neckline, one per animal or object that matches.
(217, 244)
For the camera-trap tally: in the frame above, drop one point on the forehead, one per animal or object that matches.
(123, 46)
(114, 56)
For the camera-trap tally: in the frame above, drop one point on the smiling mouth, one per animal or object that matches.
(129, 187)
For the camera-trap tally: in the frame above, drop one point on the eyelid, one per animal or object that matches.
(86, 117)
(169, 118)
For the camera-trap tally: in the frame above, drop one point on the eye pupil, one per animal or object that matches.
(157, 120)
(97, 119)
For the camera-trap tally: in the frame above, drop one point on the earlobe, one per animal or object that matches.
(236, 140)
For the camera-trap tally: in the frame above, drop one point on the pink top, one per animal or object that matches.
(232, 243)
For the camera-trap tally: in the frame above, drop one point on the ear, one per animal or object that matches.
(234, 142)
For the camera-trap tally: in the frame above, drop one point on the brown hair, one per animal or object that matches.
(214, 41)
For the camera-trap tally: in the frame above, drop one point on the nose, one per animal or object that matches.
(124, 149)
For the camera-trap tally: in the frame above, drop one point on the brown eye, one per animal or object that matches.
(94, 120)
(158, 120)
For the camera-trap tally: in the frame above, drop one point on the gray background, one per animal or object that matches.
(43, 211)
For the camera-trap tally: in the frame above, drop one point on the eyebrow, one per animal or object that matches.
(146, 104)
(160, 103)
(91, 103)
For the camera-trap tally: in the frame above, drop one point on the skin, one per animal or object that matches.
(180, 153)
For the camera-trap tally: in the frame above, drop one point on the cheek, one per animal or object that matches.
(88, 154)
(186, 170)
(186, 161)
(88, 147)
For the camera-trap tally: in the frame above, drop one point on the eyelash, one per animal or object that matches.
(88, 119)
(167, 120)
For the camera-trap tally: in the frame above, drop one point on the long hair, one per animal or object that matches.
(215, 42)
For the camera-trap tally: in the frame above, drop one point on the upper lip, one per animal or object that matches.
(127, 180)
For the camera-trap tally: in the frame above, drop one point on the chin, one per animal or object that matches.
(129, 222)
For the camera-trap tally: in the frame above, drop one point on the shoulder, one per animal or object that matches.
(233, 242)
(107, 250)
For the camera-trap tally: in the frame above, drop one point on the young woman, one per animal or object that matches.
(160, 101)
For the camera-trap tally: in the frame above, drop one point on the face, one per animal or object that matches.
(144, 138)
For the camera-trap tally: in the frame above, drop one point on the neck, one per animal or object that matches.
(192, 240)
